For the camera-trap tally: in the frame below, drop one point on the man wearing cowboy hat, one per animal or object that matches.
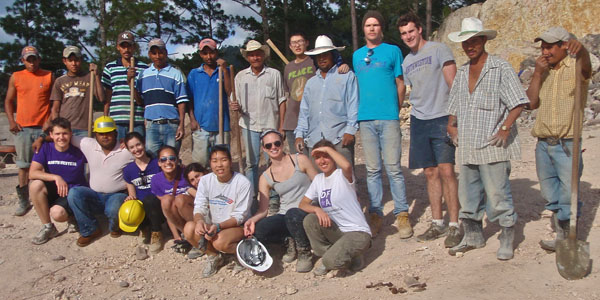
(552, 91)
(429, 69)
(486, 98)
(261, 101)
(329, 106)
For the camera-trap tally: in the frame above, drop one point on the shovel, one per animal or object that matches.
(572, 255)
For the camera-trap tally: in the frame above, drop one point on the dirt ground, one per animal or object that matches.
(60, 269)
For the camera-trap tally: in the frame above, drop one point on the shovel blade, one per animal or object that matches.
(573, 258)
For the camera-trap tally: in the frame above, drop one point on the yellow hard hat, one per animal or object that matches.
(131, 215)
(104, 124)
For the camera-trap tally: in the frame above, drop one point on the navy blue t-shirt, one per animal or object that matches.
(141, 179)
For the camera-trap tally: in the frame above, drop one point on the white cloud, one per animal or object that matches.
(177, 51)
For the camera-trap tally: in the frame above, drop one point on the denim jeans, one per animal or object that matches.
(382, 145)
(86, 203)
(202, 142)
(271, 230)
(253, 149)
(554, 169)
(294, 218)
(486, 188)
(158, 135)
(122, 130)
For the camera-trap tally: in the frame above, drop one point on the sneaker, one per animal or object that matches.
(404, 229)
(144, 236)
(212, 265)
(195, 253)
(433, 232)
(320, 270)
(376, 222)
(237, 267)
(290, 253)
(155, 242)
(72, 226)
(45, 234)
(453, 238)
(304, 263)
(83, 241)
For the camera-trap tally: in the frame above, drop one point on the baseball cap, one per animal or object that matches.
(210, 43)
(554, 35)
(71, 50)
(125, 36)
(157, 43)
(29, 51)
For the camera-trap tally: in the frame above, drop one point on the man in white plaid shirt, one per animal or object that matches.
(485, 100)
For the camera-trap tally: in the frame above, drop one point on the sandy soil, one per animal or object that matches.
(61, 270)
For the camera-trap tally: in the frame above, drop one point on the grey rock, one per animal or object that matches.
(123, 284)
(58, 258)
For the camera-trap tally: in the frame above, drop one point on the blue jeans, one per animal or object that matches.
(253, 149)
(86, 203)
(554, 169)
(382, 145)
(158, 135)
(122, 130)
(202, 142)
(486, 188)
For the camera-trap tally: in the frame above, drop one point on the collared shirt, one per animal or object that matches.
(557, 96)
(162, 90)
(259, 97)
(329, 107)
(106, 170)
(114, 77)
(203, 89)
(481, 114)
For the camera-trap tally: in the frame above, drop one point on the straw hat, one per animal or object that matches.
(471, 27)
(253, 45)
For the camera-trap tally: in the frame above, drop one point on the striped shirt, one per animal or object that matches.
(161, 91)
(481, 114)
(557, 96)
(114, 77)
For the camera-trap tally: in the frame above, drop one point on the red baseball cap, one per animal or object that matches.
(210, 43)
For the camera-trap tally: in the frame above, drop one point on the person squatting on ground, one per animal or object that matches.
(552, 92)
(203, 89)
(378, 67)
(71, 92)
(290, 176)
(116, 85)
(161, 90)
(329, 106)
(429, 69)
(337, 228)
(29, 90)
(57, 167)
(221, 206)
(138, 176)
(485, 100)
(193, 172)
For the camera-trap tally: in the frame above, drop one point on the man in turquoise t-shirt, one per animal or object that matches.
(378, 67)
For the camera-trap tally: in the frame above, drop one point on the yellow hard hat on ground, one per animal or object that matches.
(104, 124)
(131, 215)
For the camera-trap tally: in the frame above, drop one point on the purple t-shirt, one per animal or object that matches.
(69, 164)
(141, 179)
(161, 186)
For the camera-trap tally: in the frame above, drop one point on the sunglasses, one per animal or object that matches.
(368, 58)
(270, 145)
(143, 179)
(172, 158)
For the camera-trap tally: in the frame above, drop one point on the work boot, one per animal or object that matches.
(237, 266)
(144, 236)
(376, 222)
(433, 232)
(404, 229)
(357, 263)
(453, 237)
(304, 263)
(155, 242)
(24, 203)
(473, 238)
(290, 252)
(562, 230)
(506, 237)
(320, 270)
(212, 265)
(45, 234)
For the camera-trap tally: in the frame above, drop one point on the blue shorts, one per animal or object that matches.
(429, 143)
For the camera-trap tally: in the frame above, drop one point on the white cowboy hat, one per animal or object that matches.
(471, 27)
(253, 45)
(322, 45)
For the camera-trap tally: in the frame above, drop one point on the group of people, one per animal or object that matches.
(306, 198)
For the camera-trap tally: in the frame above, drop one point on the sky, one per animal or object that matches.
(228, 6)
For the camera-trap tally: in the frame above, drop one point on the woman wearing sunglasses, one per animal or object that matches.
(138, 175)
(290, 177)
(171, 188)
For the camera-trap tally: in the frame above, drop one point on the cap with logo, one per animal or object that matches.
(125, 37)
(29, 51)
(71, 50)
(157, 43)
(210, 43)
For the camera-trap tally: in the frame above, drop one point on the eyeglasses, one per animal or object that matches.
(172, 158)
(368, 58)
(270, 145)
(298, 43)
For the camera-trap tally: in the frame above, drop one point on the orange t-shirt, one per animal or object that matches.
(33, 97)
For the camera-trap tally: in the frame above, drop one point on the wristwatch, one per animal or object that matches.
(43, 135)
(504, 127)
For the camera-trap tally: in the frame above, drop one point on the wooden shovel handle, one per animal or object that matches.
(576, 148)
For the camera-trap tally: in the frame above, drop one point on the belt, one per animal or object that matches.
(552, 141)
(164, 121)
